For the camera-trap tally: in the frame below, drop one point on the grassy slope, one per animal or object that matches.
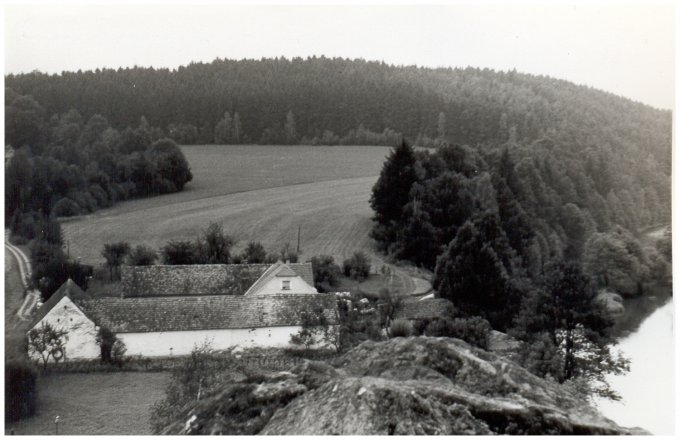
(94, 404)
(257, 193)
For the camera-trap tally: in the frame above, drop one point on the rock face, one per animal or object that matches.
(403, 386)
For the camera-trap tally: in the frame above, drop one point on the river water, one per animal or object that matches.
(648, 390)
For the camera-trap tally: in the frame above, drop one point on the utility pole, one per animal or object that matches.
(298, 241)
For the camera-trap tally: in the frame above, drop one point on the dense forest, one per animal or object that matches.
(337, 100)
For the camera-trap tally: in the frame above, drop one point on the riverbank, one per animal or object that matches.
(639, 308)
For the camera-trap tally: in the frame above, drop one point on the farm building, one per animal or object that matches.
(167, 310)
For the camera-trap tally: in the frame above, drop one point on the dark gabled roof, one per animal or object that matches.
(69, 288)
(425, 309)
(162, 314)
(208, 279)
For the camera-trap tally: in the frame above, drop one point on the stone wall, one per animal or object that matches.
(208, 279)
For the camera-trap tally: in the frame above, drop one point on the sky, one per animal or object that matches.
(627, 49)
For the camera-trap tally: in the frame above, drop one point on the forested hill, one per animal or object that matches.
(284, 101)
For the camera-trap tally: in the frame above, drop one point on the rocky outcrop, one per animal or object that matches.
(402, 386)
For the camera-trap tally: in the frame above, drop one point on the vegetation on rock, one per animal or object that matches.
(402, 386)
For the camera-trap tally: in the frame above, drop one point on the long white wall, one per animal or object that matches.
(160, 343)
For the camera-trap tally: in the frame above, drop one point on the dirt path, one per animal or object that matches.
(15, 328)
(22, 264)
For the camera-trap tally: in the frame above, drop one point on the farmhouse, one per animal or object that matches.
(167, 310)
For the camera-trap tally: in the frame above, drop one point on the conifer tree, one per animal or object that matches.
(391, 191)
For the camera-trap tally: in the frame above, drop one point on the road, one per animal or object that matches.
(20, 263)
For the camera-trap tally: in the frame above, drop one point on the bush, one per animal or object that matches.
(65, 207)
(112, 348)
(475, 330)
(357, 267)
(400, 328)
(326, 272)
(142, 256)
(420, 326)
(115, 254)
(20, 390)
(178, 252)
(254, 253)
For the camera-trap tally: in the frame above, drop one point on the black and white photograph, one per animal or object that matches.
(339, 218)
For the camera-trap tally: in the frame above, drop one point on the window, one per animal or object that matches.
(285, 285)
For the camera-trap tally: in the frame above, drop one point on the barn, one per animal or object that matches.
(167, 310)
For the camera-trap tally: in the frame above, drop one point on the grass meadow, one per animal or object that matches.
(258, 193)
(94, 404)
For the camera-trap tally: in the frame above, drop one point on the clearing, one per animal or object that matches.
(94, 404)
(258, 193)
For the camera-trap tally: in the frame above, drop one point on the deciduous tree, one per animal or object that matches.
(142, 255)
(577, 328)
(47, 342)
(115, 253)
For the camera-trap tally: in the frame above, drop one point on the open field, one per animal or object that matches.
(94, 404)
(227, 169)
(334, 217)
(257, 193)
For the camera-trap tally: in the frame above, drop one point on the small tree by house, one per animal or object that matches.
(112, 348)
(326, 272)
(315, 329)
(357, 267)
(47, 343)
(115, 253)
(254, 253)
(142, 256)
(177, 252)
(214, 246)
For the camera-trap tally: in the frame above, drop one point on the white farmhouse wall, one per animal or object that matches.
(82, 332)
(274, 286)
(159, 343)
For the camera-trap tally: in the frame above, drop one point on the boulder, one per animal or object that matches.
(404, 386)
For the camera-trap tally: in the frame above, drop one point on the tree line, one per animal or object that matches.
(64, 165)
(335, 100)
(524, 236)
